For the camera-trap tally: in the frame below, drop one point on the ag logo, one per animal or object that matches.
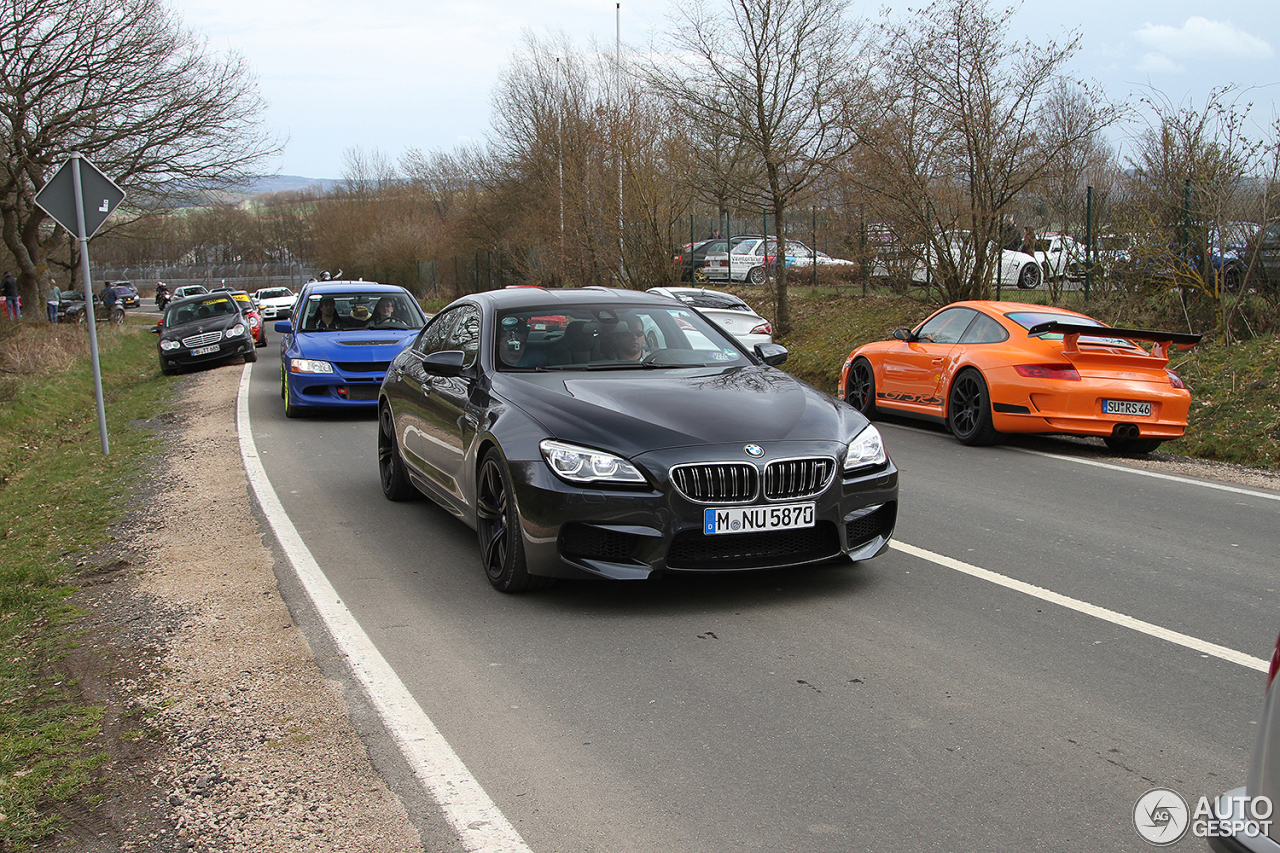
(1161, 817)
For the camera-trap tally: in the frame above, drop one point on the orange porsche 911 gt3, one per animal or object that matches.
(985, 368)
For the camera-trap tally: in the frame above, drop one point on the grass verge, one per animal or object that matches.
(58, 497)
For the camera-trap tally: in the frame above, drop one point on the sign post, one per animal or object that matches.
(80, 198)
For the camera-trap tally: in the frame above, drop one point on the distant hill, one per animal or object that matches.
(282, 183)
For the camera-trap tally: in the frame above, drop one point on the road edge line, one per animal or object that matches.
(480, 825)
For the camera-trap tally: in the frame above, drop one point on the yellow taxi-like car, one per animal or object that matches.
(984, 368)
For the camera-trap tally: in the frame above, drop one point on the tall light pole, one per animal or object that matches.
(617, 83)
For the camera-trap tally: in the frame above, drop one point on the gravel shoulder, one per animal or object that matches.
(223, 731)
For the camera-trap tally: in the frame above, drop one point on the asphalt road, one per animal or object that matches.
(894, 705)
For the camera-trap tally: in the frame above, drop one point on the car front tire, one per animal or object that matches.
(1029, 277)
(969, 410)
(757, 276)
(861, 389)
(498, 529)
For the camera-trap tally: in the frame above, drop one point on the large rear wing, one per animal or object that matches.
(1071, 333)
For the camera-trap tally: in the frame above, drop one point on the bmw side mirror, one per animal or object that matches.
(446, 363)
(284, 326)
(774, 355)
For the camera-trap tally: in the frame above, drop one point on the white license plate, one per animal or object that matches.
(204, 350)
(1126, 407)
(751, 519)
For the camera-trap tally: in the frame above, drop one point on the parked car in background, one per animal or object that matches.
(274, 302)
(690, 456)
(725, 310)
(692, 259)
(334, 352)
(126, 294)
(752, 258)
(1262, 257)
(1236, 807)
(1061, 257)
(189, 290)
(984, 368)
(253, 315)
(204, 329)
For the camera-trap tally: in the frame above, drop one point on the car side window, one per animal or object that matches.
(984, 330)
(946, 327)
(466, 334)
(436, 333)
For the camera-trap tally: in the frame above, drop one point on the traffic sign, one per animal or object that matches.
(100, 197)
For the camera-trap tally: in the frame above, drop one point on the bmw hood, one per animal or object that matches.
(631, 412)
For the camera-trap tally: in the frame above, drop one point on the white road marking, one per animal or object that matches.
(473, 815)
(1185, 640)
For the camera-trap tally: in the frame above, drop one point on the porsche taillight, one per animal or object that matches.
(1175, 380)
(1048, 371)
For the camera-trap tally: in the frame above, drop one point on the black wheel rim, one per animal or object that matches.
(860, 387)
(966, 403)
(491, 517)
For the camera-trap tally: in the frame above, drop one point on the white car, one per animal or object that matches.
(751, 259)
(189, 290)
(1061, 257)
(275, 303)
(726, 311)
(1017, 269)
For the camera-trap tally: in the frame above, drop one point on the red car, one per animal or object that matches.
(253, 316)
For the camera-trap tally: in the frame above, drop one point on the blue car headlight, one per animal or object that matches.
(865, 451)
(580, 465)
(309, 365)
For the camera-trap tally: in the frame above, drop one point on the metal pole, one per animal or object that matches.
(88, 302)
(1089, 252)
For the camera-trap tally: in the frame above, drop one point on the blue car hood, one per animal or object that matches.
(353, 344)
(630, 412)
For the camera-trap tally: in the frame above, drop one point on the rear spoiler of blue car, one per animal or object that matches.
(1071, 333)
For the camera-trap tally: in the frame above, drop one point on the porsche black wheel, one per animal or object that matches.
(395, 480)
(861, 389)
(498, 528)
(969, 410)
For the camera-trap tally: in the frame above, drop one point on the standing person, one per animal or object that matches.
(55, 297)
(9, 285)
(1009, 238)
(1028, 246)
(109, 300)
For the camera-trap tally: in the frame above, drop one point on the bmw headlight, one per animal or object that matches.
(309, 365)
(583, 465)
(235, 331)
(865, 451)
(170, 346)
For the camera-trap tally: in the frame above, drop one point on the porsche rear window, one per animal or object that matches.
(1027, 319)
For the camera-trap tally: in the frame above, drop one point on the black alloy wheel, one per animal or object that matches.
(391, 470)
(498, 529)
(860, 392)
(969, 410)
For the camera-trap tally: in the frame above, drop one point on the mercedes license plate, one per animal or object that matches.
(752, 519)
(204, 350)
(1129, 408)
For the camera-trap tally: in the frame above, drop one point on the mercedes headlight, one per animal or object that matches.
(865, 451)
(235, 331)
(170, 346)
(581, 465)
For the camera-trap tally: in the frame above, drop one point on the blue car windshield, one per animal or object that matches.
(610, 337)
(333, 312)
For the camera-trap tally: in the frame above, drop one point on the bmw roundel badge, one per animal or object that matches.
(754, 450)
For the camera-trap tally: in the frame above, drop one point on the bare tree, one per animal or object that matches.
(125, 85)
(779, 77)
(953, 136)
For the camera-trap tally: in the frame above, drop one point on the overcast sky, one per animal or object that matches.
(391, 75)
